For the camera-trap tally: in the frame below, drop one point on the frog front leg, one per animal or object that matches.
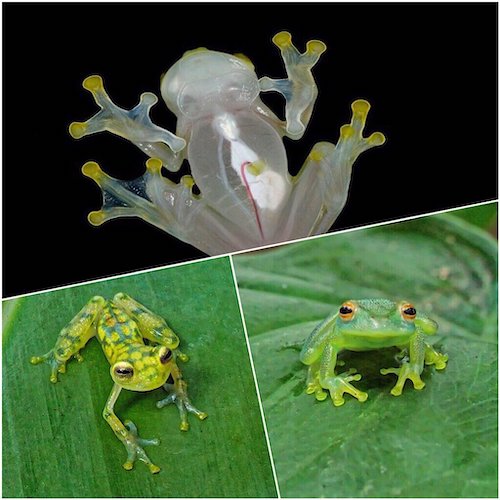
(72, 339)
(127, 434)
(178, 395)
(338, 384)
(411, 369)
(134, 125)
(299, 89)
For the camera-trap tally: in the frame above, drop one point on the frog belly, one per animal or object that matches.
(240, 165)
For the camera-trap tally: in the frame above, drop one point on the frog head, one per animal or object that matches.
(143, 369)
(374, 323)
(203, 82)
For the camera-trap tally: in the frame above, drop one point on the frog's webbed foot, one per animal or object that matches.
(178, 395)
(56, 365)
(151, 197)
(406, 371)
(313, 385)
(433, 357)
(135, 448)
(134, 125)
(340, 384)
(327, 170)
(299, 89)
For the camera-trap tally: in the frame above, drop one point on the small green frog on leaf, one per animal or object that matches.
(365, 325)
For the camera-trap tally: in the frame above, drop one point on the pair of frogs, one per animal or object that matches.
(121, 325)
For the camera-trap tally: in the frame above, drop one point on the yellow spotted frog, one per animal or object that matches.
(364, 325)
(121, 325)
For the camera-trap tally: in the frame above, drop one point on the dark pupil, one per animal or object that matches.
(124, 371)
(345, 310)
(165, 357)
(410, 311)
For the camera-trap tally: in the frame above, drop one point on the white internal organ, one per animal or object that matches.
(266, 188)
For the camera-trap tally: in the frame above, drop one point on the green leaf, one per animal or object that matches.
(439, 442)
(55, 441)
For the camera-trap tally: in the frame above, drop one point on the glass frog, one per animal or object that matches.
(364, 325)
(245, 196)
(121, 326)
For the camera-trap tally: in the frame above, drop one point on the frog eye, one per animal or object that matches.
(165, 355)
(347, 310)
(123, 370)
(408, 312)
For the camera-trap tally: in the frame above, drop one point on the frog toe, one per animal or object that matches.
(340, 384)
(134, 445)
(404, 373)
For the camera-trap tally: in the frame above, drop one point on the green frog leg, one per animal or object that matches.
(72, 339)
(433, 357)
(151, 326)
(127, 434)
(338, 384)
(412, 368)
(313, 385)
(178, 395)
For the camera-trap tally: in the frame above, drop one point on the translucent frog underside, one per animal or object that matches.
(233, 143)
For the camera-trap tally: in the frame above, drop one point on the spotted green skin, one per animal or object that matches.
(121, 325)
(375, 324)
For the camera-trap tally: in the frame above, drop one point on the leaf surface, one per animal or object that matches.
(439, 442)
(55, 441)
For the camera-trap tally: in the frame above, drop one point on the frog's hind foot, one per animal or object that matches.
(134, 446)
(340, 384)
(178, 395)
(56, 365)
(136, 198)
(433, 357)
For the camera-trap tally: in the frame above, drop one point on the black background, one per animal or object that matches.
(429, 71)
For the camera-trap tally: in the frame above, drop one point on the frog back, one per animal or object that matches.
(117, 333)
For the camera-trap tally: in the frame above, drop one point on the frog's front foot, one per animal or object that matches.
(339, 384)
(56, 364)
(134, 446)
(404, 372)
(178, 395)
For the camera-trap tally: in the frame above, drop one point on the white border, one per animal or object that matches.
(257, 390)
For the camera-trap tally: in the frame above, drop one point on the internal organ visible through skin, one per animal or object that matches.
(265, 188)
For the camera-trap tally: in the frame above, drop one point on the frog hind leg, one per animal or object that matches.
(151, 326)
(127, 433)
(299, 88)
(323, 182)
(178, 395)
(72, 339)
(134, 125)
(338, 383)
(433, 357)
